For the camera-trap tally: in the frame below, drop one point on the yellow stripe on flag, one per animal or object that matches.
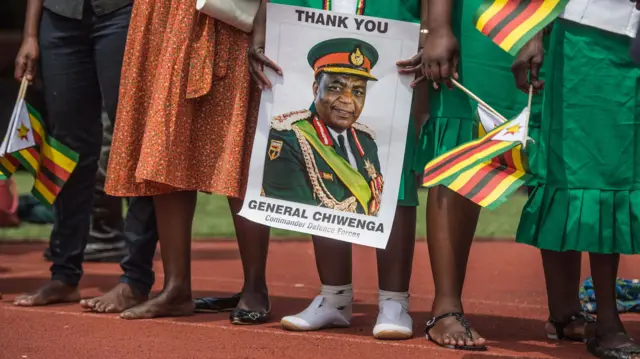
(459, 166)
(465, 177)
(501, 188)
(547, 7)
(42, 189)
(490, 12)
(37, 126)
(35, 164)
(58, 158)
(517, 159)
(8, 165)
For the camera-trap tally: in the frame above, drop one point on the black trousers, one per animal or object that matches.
(81, 62)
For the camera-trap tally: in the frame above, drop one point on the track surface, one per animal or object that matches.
(504, 297)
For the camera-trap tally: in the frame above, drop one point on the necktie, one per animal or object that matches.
(343, 147)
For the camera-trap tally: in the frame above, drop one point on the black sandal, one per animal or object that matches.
(463, 322)
(560, 327)
(216, 304)
(626, 352)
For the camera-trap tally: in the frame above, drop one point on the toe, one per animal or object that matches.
(111, 308)
(480, 341)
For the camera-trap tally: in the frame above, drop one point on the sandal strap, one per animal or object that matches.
(560, 326)
(459, 317)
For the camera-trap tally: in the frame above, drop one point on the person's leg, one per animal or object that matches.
(562, 277)
(174, 213)
(141, 232)
(394, 274)
(73, 102)
(253, 242)
(106, 239)
(610, 333)
(332, 308)
(451, 224)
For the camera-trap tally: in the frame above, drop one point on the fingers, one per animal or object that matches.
(445, 74)
(411, 70)
(31, 69)
(20, 69)
(258, 76)
(519, 70)
(412, 62)
(536, 64)
(267, 62)
(418, 80)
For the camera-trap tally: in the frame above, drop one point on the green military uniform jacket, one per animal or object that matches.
(304, 164)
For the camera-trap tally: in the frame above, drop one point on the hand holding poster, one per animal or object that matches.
(327, 155)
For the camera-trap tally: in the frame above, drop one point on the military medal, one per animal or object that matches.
(274, 149)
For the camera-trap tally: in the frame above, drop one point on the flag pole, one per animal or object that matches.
(526, 122)
(473, 96)
(23, 89)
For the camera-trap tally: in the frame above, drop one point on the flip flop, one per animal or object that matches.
(595, 347)
(463, 322)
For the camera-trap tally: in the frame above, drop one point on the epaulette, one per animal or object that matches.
(363, 128)
(283, 122)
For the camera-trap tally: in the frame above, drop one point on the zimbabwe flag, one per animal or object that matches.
(49, 161)
(511, 23)
(487, 170)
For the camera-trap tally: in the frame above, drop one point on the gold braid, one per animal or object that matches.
(326, 198)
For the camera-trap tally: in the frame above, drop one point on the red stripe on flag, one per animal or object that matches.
(512, 25)
(501, 15)
(473, 181)
(55, 169)
(32, 151)
(443, 168)
(48, 184)
(493, 183)
(508, 156)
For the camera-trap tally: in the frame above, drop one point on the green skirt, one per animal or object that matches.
(485, 70)
(588, 195)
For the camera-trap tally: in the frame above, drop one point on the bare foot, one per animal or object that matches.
(50, 293)
(616, 345)
(166, 304)
(117, 300)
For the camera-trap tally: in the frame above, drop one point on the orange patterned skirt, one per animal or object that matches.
(187, 110)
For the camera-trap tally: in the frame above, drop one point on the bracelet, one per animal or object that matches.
(424, 31)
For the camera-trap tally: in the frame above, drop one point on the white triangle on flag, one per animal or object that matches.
(488, 119)
(7, 136)
(21, 136)
(514, 131)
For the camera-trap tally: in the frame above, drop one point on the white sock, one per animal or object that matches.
(399, 297)
(338, 295)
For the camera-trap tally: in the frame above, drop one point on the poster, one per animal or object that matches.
(329, 147)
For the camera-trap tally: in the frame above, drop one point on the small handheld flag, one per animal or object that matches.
(512, 23)
(45, 158)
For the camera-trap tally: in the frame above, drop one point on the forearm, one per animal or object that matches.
(424, 14)
(260, 24)
(439, 14)
(32, 18)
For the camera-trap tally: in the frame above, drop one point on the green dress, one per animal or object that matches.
(588, 195)
(485, 70)
(402, 10)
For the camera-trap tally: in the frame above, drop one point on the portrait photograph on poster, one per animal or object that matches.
(329, 146)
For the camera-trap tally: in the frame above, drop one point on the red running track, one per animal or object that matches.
(504, 298)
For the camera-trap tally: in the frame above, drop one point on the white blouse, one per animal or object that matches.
(617, 16)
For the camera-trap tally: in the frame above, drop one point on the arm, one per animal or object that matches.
(526, 66)
(412, 66)
(441, 55)
(27, 57)
(257, 58)
(285, 175)
(424, 27)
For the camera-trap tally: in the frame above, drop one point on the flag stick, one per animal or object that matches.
(23, 89)
(473, 96)
(526, 122)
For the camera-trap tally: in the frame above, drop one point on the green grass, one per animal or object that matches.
(213, 219)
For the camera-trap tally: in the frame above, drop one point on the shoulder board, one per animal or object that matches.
(283, 122)
(363, 128)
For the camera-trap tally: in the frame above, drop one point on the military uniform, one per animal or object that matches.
(306, 164)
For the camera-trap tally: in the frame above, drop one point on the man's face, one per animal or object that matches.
(339, 99)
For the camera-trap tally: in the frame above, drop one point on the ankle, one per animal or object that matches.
(442, 305)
